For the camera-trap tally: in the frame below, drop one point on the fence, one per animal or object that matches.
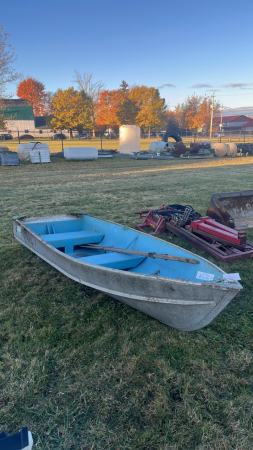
(187, 136)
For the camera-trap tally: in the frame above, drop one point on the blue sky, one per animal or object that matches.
(182, 47)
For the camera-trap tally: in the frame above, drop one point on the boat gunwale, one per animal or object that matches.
(21, 220)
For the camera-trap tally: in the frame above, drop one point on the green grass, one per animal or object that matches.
(84, 371)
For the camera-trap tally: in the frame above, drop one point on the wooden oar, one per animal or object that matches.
(146, 254)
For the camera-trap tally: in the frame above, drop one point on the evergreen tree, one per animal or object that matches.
(124, 87)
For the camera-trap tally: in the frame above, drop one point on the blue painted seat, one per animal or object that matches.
(69, 239)
(112, 260)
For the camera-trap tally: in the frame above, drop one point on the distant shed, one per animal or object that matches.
(18, 114)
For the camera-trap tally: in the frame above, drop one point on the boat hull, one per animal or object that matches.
(181, 304)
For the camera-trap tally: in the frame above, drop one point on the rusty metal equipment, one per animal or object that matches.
(156, 219)
(211, 229)
(233, 209)
(204, 233)
(221, 251)
(178, 214)
(179, 149)
(158, 225)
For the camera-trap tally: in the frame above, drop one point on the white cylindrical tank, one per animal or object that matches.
(157, 146)
(25, 149)
(231, 149)
(220, 149)
(80, 153)
(227, 150)
(160, 146)
(129, 139)
(169, 145)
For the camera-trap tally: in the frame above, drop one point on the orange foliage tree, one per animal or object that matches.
(34, 91)
(195, 112)
(139, 105)
(107, 108)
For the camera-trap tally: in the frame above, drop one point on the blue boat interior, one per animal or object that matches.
(70, 234)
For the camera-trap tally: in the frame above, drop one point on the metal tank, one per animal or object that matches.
(220, 149)
(231, 149)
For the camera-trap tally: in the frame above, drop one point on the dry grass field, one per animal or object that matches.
(85, 371)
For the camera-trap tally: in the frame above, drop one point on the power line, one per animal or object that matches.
(232, 95)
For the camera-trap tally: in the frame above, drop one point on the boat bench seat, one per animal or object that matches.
(113, 260)
(70, 239)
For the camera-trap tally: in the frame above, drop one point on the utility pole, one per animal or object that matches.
(222, 107)
(221, 121)
(211, 123)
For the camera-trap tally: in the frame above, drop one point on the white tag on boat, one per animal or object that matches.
(231, 276)
(204, 276)
(18, 229)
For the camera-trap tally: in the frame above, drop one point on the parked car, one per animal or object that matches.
(5, 137)
(25, 136)
(110, 136)
(84, 135)
(59, 136)
(219, 134)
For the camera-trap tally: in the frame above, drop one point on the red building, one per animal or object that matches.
(231, 123)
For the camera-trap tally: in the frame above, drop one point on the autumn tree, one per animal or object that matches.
(85, 83)
(192, 107)
(151, 107)
(205, 111)
(33, 91)
(107, 109)
(71, 110)
(195, 112)
(7, 72)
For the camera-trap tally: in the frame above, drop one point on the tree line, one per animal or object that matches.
(90, 106)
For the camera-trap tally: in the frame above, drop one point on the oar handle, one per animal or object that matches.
(146, 254)
(172, 258)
